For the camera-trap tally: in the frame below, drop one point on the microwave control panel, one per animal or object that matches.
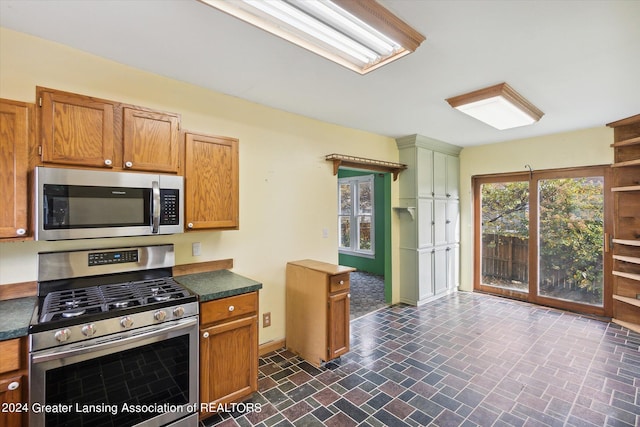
(169, 202)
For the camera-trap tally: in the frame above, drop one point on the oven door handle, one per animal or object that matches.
(149, 333)
(155, 189)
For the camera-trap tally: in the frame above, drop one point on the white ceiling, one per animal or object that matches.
(578, 61)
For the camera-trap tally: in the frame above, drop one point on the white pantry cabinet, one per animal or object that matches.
(429, 219)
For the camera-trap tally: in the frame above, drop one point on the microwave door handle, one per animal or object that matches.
(155, 190)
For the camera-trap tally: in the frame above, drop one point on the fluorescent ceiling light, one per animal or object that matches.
(499, 106)
(359, 34)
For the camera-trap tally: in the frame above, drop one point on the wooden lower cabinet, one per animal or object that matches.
(14, 395)
(317, 310)
(228, 350)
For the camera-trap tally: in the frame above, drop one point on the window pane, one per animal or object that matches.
(364, 195)
(345, 199)
(571, 236)
(505, 235)
(345, 232)
(364, 233)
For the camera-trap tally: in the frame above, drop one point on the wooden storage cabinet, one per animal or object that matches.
(151, 141)
(228, 349)
(16, 134)
(211, 182)
(78, 130)
(317, 310)
(13, 383)
(626, 233)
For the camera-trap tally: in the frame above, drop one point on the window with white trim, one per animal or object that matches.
(355, 215)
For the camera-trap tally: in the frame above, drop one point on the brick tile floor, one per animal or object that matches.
(464, 360)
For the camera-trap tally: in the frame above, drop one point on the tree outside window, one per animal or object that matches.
(355, 215)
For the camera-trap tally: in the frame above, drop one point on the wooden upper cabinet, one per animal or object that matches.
(16, 120)
(211, 182)
(76, 129)
(151, 140)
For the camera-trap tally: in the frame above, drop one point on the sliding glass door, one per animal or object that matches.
(505, 236)
(541, 237)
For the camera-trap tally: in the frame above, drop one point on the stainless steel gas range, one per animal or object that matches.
(114, 340)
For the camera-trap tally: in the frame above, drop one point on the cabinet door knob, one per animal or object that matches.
(342, 282)
(205, 335)
(190, 225)
(128, 164)
(13, 385)
(231, 308)
(348, 295)
(21, 231)
(107, 162)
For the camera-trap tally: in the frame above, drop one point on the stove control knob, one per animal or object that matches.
(62, 335)
(126, 322)
(178, 312)
(89, 330)
(160, 315)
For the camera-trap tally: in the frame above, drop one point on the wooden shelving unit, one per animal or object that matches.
(634, 260)
(631, 276)
(629, 188)
(626, 241)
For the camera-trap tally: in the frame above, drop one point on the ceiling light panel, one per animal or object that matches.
(359, 34)
(499, 106)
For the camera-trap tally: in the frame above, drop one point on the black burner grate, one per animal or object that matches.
(71, 303)
(103, 298)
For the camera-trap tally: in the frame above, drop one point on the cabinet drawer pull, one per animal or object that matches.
(231, 308)
(205, 335)
(13, 385)
(21, 231)
(348, 295)
(341, 282)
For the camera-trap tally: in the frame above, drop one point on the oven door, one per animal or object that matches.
(144, 377)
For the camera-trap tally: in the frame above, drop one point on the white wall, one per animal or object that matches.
(572, 149)
(288, 193)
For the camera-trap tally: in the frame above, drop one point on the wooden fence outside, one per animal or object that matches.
(505, 257)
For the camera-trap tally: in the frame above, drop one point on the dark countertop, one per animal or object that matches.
(217, 284)
(15, 315)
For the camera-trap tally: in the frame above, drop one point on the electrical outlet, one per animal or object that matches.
(195, 249)
(266, 320)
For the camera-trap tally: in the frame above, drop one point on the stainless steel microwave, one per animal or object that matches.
(85, 204)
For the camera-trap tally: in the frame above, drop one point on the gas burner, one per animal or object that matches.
(120, 304)
(156, 297)
(72, 304)
(73, 313)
